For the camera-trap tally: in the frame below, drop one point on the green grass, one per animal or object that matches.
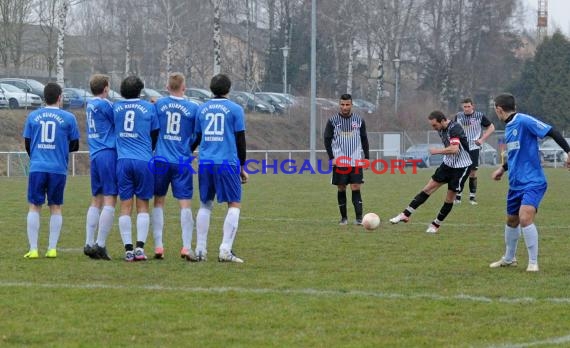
(306, 282)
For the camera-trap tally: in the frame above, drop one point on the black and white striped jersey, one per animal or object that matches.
(454, 134)
(346, 136)
(473, 126)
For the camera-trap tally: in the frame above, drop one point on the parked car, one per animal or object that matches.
(551, 152)
(18, 98)
(150, 94)
(488, 155)
(421, 152)
(78, 97)
(199, 93)
(3, 100)
(250, 103)
(363, 106)
(27, 85)
(279, 106)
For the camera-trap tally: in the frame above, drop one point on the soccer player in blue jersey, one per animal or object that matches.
(50, 135)
(136, 129)
(221, 128)
(527, 183)
(173, 163)
(103, 156)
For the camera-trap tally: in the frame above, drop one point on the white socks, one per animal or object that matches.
(530, 234)
(105, 224)
(511, 240)
(91, 225)
(33, 228)
(202, 226)
(143, 223)
(125, 227)
(187, 225)
(230, 228)
(157, 226)
(55, 223)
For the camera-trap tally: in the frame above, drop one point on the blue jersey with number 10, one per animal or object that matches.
(134, 120)
(525, 169)
(50, 130)
(218, 121)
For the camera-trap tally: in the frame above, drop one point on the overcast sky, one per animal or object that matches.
(558, 14)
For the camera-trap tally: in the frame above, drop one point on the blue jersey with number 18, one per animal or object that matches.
(50, 130)
(218, 121)
(176, 117)
(134, 121)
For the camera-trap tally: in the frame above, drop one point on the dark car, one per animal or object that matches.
(78, 97)
(421, 153)
(250, 103)
(199, 93)
(279, 106)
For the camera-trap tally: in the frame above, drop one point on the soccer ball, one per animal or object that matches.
(370, 221)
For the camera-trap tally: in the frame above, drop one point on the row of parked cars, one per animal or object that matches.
(420, 152)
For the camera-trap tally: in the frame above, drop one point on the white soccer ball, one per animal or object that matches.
(370, 221)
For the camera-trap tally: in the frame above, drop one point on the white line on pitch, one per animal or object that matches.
(308, 292)
(550, 341)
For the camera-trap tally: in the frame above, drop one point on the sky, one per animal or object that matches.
(558, 14)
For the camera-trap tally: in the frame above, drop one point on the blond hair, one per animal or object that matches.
(176, 81)
(97, 83)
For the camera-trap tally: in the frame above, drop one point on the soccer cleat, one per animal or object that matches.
(201, 256)
(457, 201)
(358, 222)
(51, 253)
(504, 263)
(532, 267)
(432, 228)
(159, 253)
(399, 218)
(32, 254)
(343, 221)
(129, 256)
(90, 251)
(473, 201)
(139, 254)
(228, 256)
(188, 255)
(101, 253)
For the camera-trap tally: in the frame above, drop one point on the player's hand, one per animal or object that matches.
(478, 142)
(244, 176)
(498, 174)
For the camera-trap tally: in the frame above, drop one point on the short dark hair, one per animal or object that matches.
(220, 85)
(467, 101)
(506, 101)
(346, 96)
(52, 92)
(97, 83)
(131, 87)
(437, 115)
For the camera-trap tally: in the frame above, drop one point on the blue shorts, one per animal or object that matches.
(135, 178)
(170, 173)
(41, 184)
(531, 196)
(220, 180)
(104, 173)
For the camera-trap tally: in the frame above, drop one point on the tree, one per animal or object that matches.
(61, 24)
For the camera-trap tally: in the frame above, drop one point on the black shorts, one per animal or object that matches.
(452, 176)
(474, 154)
(347, 175)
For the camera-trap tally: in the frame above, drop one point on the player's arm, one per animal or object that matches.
(241, 152)
(196, 142)
(364, 140)
(559, 139)
(452, 149)
(74, 145)
(489, 129)
(154, 137)
(27, 142)
(329, 133)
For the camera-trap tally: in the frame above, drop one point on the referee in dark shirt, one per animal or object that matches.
(346, 142)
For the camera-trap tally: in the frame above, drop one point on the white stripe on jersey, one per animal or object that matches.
(346, 137)
(472, 125)
(461, 159)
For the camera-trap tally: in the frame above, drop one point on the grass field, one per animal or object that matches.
(306, 282)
